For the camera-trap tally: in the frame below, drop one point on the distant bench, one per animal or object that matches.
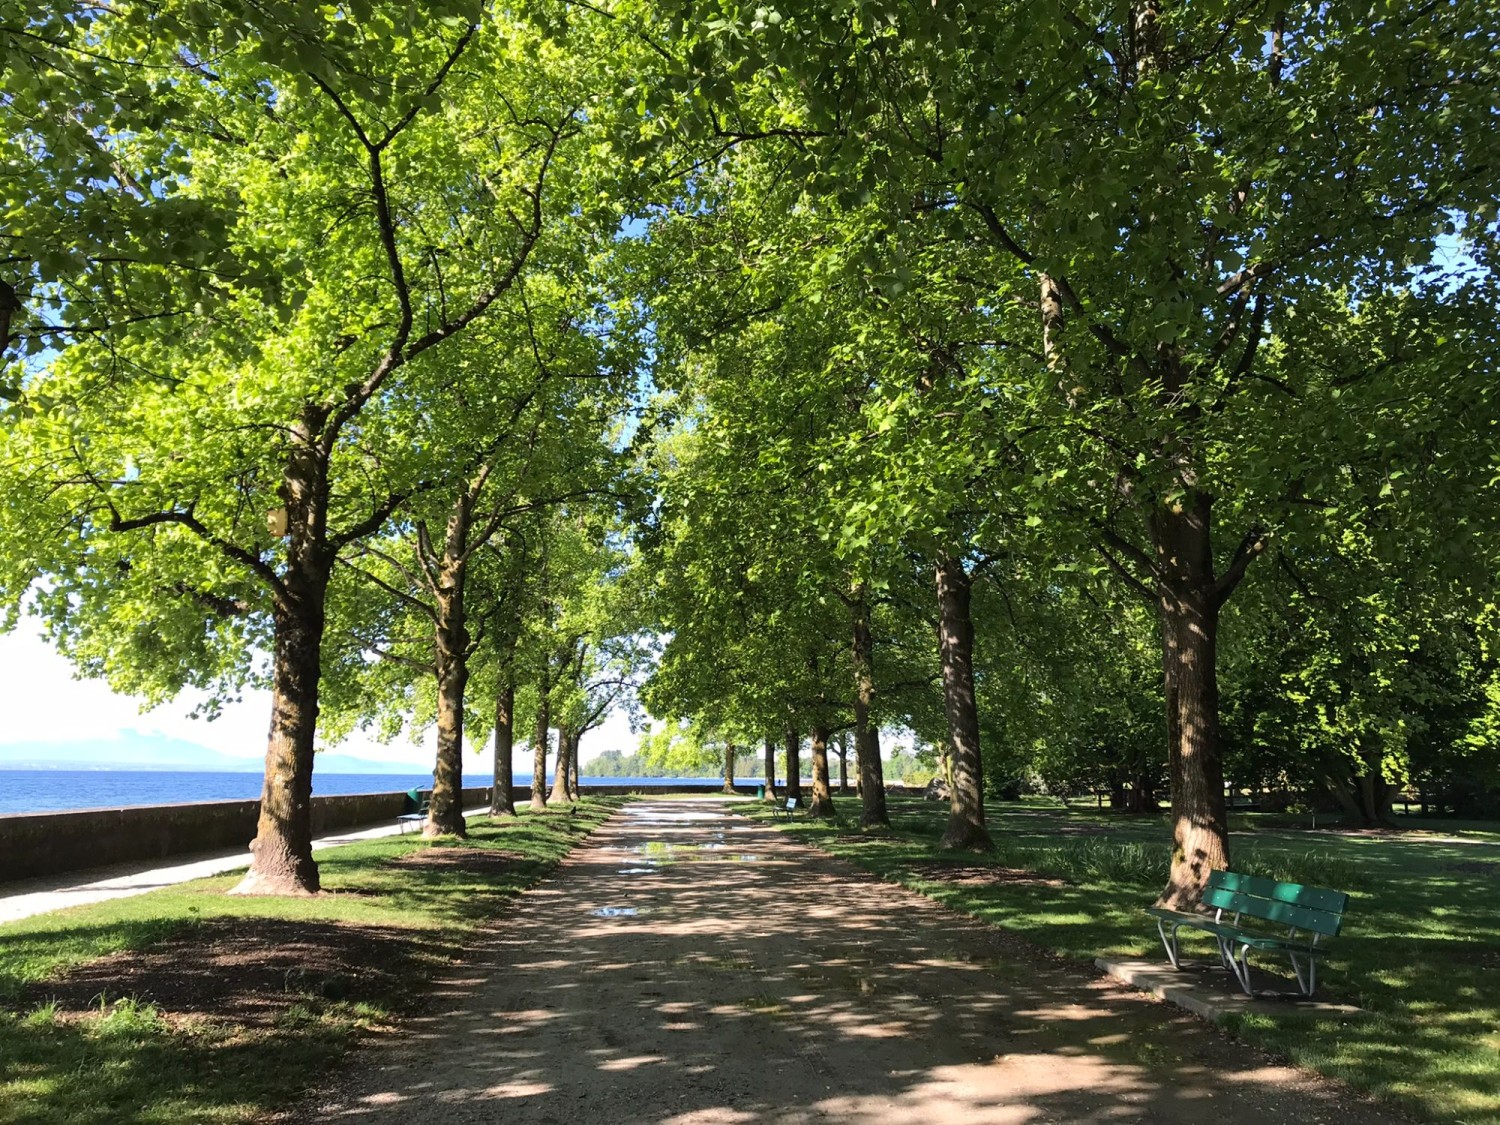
(787, 811)
(418, 803)
(1311, 910)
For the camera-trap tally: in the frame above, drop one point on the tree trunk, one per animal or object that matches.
(503, 797)
(822, 793)
(539, 746)
(770, 769)
(282, 862)
(1188, 610)
(966, 828)
(843, 753)
(794, 764)
(445, 816)
(872, 810)
(560, 772)
(729, 752)
(573, 768)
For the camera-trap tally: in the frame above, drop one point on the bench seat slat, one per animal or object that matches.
(1314, 898)
(1270, 910)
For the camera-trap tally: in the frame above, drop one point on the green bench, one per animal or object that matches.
(1309, 913)
(418, 802)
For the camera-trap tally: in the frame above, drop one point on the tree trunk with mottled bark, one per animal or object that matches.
(1188, 610)
(539, 745)
(282, 862)
(729, 752)
(966, 828)
(872, 807)
(822, 792)
(503, 797)
(770, 769)
(794, 764)
(560, 771)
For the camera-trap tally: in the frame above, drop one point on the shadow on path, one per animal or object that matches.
(690, 966)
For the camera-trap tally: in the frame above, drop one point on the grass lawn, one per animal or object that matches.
(186, 1004)
(1420, 948)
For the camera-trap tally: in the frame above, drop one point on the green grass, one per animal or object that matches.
(1420, 949)
(129, 1062)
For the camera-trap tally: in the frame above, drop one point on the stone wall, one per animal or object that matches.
(51, 843)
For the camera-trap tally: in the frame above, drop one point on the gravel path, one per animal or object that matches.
(688, 966)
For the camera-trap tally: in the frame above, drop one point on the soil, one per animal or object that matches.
(960, 874)
(245, 971)
(767, 981)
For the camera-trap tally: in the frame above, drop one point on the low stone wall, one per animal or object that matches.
(51, 843)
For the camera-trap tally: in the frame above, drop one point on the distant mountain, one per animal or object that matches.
(136, 751)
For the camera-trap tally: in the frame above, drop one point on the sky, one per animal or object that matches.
(42, 702)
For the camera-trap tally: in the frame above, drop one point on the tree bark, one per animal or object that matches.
(770, 769)
(843, 753)
(822, 792)
(445, 816)
(872, 807)
(794, 764)
(1188, 604)
(282, 860)
(966, 828)
(503, 797)
(560, 771)
(729, 752)
(573, 767)
(539, 745)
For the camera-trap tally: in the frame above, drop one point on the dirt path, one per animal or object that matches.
(691, 966)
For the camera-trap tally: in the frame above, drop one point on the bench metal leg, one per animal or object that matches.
(1307, 974)
(1240, 966)
(1169, 942)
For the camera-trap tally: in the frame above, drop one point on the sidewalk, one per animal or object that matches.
(28, 897)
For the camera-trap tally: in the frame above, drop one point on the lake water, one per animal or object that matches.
(23, 791)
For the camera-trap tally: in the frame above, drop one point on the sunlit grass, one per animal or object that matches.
(130, 1061)
(1420, 949)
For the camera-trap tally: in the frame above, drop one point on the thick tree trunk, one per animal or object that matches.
(822, 792)
(573, 768)
(283, 863)
(282, 860)
(872, 808)
(794, 764)
(1188, 609)
(560, 773)
(445, 816)
(503, 797)
(729, 752)
(539, 746)
(770, 769)
(966, 828)
(843, 753)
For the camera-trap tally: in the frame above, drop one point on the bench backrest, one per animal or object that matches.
(791, 804)
(1313, 909)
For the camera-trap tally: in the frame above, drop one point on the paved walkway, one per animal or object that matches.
(25, 898)
(688, 966)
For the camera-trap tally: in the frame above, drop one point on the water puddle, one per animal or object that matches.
(615, 912)
(637, 870)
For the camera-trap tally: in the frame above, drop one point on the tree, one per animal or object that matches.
(391, 218)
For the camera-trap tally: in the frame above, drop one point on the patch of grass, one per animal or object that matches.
(1420, 948)
(126, 1059)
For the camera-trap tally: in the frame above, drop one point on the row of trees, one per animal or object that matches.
(858, 364)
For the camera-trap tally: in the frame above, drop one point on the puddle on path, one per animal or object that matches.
(637, 870)
(615, 912)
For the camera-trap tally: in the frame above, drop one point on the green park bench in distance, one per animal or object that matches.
(1310, 911)
(418, 801)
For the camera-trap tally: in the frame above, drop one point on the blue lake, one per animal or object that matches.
(23, 791)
